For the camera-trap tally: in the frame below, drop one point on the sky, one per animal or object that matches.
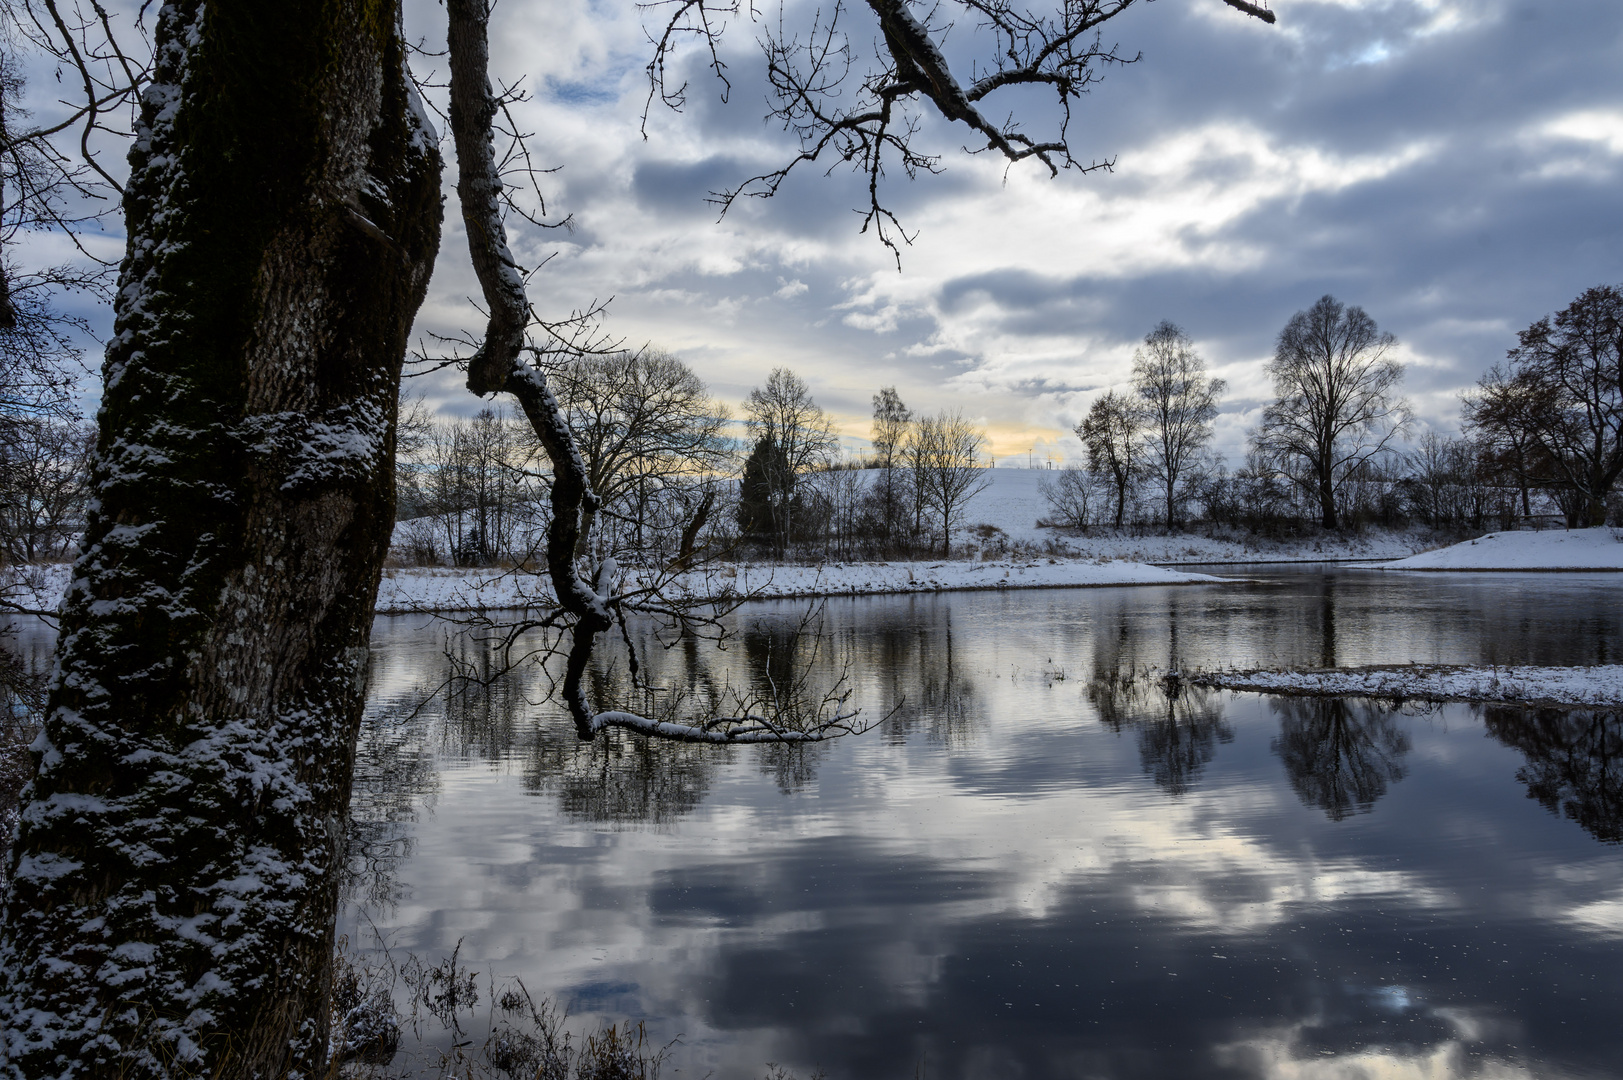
(1452, 167)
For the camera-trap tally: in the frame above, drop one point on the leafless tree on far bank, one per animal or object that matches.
(944, 454)
(891, 420)
(1111, 433)
(1336, 404)
(782, 412)
(1558, 409)
(1177, 403)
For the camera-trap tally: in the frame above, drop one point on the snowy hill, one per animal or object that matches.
(1012, 501)
(1577, 549)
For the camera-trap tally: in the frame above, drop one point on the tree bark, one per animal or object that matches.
(690, 532)
(176, 874)
(1327, 498)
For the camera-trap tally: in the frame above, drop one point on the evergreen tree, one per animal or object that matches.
(766, 492)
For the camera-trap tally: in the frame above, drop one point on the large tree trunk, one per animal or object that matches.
(175, 879)
(1327, 499)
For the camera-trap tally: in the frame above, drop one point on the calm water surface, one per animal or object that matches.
(1041, 864)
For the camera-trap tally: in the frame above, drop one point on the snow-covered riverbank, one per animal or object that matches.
(434, 589)
(1594, 686)
(1553, 549)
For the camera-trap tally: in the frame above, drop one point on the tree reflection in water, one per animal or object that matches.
(506, 718)
(624, 779)
(395, 774)
(924, 687)
(1178, 741)
(1178, 726)
(1340, 754)
(1574, 762)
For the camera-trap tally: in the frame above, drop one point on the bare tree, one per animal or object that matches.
(944, 454)
(891, 419)
(783, 413)
(1070, 496)
(1500, 412)
(646, 428)
(1177, 403)
(414, 428)
(1450, 481)
(46, 188)
(1110, 431)
(44, 475)
(1563, 400)
(1336, 403)
(841, 491)
(475, 486)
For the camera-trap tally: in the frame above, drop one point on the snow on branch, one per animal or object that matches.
(749, 728)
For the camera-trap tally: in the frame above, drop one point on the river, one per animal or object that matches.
(1043, 860)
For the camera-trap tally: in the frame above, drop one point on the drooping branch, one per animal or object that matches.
(478, 188)
(586, 594)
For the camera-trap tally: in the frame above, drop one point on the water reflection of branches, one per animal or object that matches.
(394, 775)
(619, 778)
(788, 704)
(1574, 762)
(1178, 741)
(483, 705)
(1178, 725)
(925, 688)
(1339, 753)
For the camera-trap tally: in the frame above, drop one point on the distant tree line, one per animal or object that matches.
(473, 492)
(1542, 434)
(908, 498)
(1541, 439)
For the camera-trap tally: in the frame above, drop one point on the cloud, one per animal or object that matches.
(1452, 167)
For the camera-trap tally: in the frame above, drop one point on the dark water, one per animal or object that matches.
(1041, 864)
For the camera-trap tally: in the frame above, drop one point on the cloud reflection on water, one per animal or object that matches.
(1042, 864)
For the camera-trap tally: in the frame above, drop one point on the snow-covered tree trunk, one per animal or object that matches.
(175, 878)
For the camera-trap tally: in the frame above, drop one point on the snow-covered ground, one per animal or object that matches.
(1554, 549)
(1599, 685)
(432, 589)
(402, 590)
(1193, 548)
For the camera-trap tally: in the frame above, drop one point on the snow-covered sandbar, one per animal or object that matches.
(1555, 549)
(431, 589)
(1600, 685)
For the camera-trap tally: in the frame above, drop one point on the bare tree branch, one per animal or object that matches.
(585, 590)
(858, 125)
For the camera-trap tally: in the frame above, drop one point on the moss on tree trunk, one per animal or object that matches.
(176, 873)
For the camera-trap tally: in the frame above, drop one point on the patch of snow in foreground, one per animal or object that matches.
(1575, 549)
(434, 589)
(1599, 685)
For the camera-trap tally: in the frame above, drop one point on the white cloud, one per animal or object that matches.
(1602, 128)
